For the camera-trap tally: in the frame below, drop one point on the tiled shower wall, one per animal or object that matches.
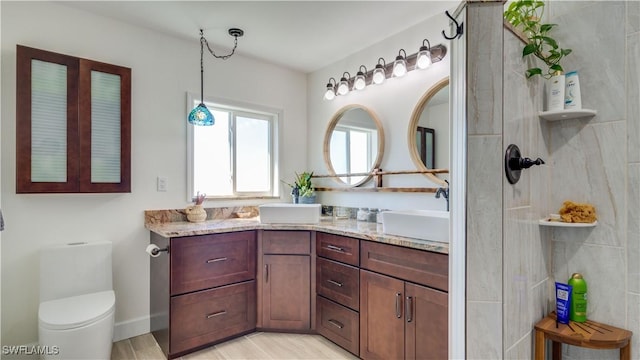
(512, 262)
(598, 160)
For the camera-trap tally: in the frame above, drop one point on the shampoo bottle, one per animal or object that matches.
(578, 308)
(555, 92)
(572, 92)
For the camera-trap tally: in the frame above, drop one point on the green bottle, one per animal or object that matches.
(578, 308)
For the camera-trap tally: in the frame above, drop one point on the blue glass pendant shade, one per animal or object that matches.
(201, 116)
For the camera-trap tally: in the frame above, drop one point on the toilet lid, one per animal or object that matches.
(76, 311)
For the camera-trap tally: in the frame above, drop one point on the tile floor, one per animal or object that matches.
(259, 345)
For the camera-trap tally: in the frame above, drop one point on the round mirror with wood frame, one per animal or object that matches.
(353, 144)
(421, 139)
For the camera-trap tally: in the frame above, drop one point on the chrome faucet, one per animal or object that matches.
(444, 192)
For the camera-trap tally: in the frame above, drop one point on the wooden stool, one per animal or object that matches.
(589, 334)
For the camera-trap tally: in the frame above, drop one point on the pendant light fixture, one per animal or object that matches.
(400, 65)
(200, 115)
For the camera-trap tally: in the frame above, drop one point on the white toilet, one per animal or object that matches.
(77, 302)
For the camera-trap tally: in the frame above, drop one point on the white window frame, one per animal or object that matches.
(274, 116)
(348, 129)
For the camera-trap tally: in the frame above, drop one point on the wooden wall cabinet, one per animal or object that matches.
(203, 291)
(73, 124)
(285, 280)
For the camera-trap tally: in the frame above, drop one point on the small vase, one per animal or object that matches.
(196, 213)
(307, 199)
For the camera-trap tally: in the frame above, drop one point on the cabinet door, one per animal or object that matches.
(286, 292)
(381, 317)
(426, 323)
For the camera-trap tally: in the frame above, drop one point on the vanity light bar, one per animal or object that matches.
(412, 62)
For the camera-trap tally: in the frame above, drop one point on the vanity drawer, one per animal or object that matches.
(338, 282)
(419, 266)
(207, 316)
(205, 261)
(339, 248)
(286, 242)
(338, 324)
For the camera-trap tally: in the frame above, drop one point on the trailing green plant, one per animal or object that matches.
(526, 15)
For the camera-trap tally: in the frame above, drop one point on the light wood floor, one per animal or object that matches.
(256, 346)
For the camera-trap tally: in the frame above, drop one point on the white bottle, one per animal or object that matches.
(555, 92)
(572, 92)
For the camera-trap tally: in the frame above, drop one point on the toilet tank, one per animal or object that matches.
(75, 269)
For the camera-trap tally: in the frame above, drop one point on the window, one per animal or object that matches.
(73, 121)
(237, 156)
(351, 151)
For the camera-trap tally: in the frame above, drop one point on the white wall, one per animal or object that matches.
(163, 70)
(392, 102)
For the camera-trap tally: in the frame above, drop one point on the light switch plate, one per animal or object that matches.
(163, 183)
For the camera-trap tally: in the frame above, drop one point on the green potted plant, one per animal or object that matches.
(302, 189)
(526, 16)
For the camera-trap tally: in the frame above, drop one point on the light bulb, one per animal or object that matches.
(343, 87)
(399, 68)
(359, 83)
(329, 95)
(400, 65)
(424, 59)
(378, 75)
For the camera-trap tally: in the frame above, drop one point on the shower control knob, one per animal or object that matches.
(514, 163)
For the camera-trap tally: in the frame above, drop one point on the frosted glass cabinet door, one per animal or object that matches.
(104, 127)
(72, 124)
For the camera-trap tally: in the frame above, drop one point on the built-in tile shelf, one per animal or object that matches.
(547, 222)
(566, 114)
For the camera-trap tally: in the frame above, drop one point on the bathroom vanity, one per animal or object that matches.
(340, 278)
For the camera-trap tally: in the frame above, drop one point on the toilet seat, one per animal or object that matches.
(76, 311)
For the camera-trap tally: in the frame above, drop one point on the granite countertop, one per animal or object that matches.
(349, 227)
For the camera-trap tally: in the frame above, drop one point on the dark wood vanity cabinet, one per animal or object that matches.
(285, 286)
(403, 303)
(376, 300)
(203, 291)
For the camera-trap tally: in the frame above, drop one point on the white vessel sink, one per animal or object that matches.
(284, 213)
(419, 224)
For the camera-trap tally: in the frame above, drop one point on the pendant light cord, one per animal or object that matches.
(223, 57)
(202, 39)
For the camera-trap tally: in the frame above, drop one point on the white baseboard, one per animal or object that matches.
(130, 328)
